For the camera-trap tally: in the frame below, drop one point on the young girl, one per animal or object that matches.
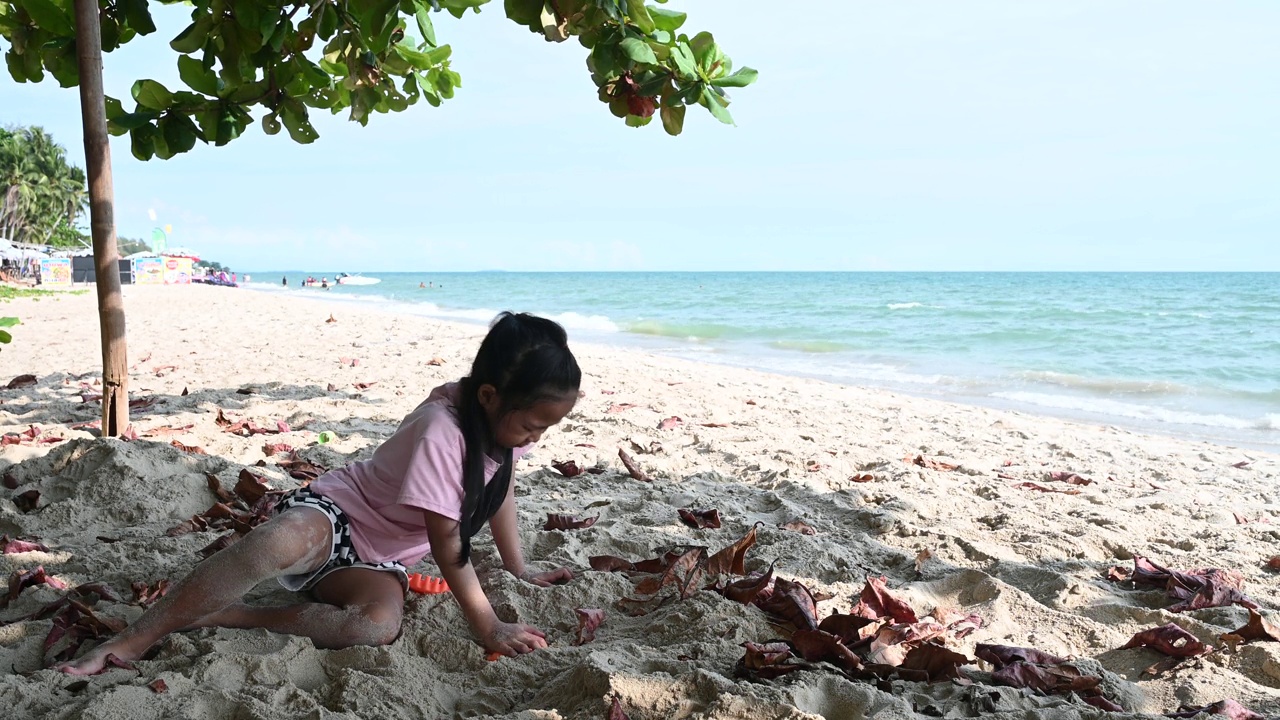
(430, 487)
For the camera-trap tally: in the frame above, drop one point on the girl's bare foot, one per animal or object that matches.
(95, 661)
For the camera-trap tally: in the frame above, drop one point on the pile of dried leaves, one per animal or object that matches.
(247, 428)
(882, 637)
(1193, 589)
(294, 465)
(74, 618)
(33, 435)
(240, 510)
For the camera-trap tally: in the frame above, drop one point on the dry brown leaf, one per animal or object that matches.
(792, 602)
(700, 519)
(567, 468)
(1258, 628)
(799, 526)
(729, 561)
(1037, 486)
(589, 619)
(929, 463)
(1169, 639)
(630, 464)
(921, 557)
(1230, 709)
(671, 422)
(877, 602)
(568, 522)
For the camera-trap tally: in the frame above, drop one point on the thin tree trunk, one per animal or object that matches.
(97, 158)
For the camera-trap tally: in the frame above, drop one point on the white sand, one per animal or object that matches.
(1029, 563)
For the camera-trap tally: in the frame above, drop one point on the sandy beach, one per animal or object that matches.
(958, 507)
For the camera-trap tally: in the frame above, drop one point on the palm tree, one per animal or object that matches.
(39, 189)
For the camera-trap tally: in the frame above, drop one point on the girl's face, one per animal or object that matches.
(524, 426)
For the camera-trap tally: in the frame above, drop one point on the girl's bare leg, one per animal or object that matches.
(296, 541)
(357, 606)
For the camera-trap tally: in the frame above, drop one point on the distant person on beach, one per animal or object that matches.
(349, 536)
(422, 286)
(324, 283)
(285, 281)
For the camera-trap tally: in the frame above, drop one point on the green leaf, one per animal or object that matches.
(32, 65)
(180, 133)
(686, 64)
(742, 78)
(673, 118)
(602, 61)
(9, 321)
(270, 125)
(328, 21)
(270, 21)
(5, 337)
(639, 16)
(248, 13)
(703, 45)
(207, 118)
(151, 94)
(638, 120)
(229, 127)
(196, 77)
(425, 26)
(142, 142)
(714, 104)
(62, 63)
(424, 60)
(668, 20)
(138, 16)
(315, 76)
(299, 126)
(525, 12)
(194, 37)
(49, 16)
(17, 69)
(159, 145)
(457, 8)
(638, 51)
(129, 122)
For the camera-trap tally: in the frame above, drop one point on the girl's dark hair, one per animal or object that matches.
(527, 360)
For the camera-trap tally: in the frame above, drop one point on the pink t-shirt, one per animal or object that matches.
(418, 468)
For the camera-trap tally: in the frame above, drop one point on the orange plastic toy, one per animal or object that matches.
(493, 656)
(427, 585)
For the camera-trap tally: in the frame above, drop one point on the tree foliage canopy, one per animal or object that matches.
(41, 194)
(284, 59)
(128, 246)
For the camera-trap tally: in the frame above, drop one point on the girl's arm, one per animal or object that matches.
(506, 536)
(495, 635)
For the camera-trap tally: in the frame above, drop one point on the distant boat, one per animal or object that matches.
(348, 279)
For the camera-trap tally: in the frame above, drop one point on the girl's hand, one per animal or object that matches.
(559, 576)
(512, 639)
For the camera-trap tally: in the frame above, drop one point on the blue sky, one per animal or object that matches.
(1090, 135)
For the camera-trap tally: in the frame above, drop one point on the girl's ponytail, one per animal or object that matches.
(527, 360)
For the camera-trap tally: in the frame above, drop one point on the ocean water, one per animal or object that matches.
(1187, 354)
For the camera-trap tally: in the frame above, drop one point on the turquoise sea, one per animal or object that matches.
(1186, 354)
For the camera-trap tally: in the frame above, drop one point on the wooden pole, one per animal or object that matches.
(106, 260)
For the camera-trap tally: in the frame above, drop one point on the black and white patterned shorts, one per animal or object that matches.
(343, 554)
